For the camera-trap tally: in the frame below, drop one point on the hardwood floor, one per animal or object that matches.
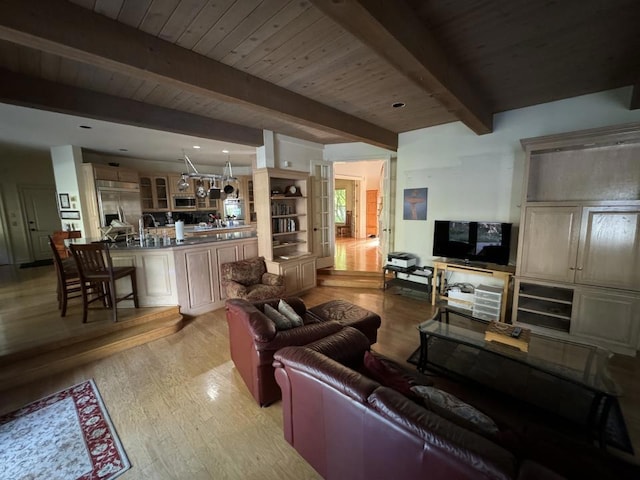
(357, 254)
(182, 411)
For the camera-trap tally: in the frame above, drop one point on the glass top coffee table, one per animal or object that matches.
(565, 378)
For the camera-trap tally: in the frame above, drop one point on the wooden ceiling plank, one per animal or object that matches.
(108, 8)
(64, 29)
(275, 42)
(133, 11)
(395, 33)
(260, 37)
(245, 28)
(32, 92)
(157, 15)
(224, 25)
(184, 14)
(202, 23)
(298, 46)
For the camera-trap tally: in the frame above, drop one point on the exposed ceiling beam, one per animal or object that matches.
(394, 31)
(32, 92)
(62, 28)
(635, 97)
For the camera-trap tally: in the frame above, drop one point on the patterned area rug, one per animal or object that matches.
(67, 436)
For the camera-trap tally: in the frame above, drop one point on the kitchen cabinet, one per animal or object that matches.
(248, 198)
(154, 192)
(198, 272)
(578, 267)
(282, 208)
(204, 202)
(173, 185)
(115, 174)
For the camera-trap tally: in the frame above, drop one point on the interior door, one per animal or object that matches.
(372, 213)
(386, 207)
(41, 212)
(323, 237)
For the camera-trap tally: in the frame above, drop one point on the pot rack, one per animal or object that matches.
(214, 178)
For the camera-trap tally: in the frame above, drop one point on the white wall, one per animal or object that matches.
(473, 177)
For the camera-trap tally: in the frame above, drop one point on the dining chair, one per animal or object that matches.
(98, 277)
(68, 278)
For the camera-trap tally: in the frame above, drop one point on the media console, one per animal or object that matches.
(413, 278)
(499, 272)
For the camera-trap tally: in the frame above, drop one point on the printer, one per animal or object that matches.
(400, 259)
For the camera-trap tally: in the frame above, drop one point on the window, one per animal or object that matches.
(341, 205)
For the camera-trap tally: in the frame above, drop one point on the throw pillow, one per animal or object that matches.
(454, 409)
(386, 374)
(282, 322)
(287, 310)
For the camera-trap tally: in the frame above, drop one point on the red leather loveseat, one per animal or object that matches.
(347, 425)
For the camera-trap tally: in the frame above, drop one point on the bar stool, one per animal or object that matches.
(98, 277)
(68, 278)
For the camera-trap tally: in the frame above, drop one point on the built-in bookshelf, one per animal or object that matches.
(282, 210)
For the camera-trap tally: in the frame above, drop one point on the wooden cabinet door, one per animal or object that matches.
(599, 314)
(550, 243)
(146, 193)
(161, 193)
(609, 252)
(308, 274)
(291, 274)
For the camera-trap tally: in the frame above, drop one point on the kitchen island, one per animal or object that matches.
(185, 274)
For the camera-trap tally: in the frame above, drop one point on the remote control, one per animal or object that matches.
(516, 332)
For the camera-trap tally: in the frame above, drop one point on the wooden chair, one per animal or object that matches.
(345, 230)
(98, 277)
(68, 278)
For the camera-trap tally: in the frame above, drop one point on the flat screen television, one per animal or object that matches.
(486, 242)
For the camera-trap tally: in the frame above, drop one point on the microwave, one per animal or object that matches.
(184, 202)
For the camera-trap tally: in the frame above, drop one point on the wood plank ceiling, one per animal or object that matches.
(322, 70)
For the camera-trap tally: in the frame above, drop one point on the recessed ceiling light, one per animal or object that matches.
(196, 146)
(398, 104)
(225, 151)
(86, 126)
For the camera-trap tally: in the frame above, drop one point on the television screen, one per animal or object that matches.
(472, 241)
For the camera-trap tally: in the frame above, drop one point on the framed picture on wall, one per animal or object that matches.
(70, 215)
(64, 200)
(415, 204)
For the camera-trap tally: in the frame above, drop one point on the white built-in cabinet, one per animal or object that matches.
(578, 269)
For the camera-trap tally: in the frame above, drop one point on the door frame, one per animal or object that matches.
(388, 214)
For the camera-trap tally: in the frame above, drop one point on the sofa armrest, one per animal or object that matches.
(257, 324)
(451, 439)
(299, 335)
(272, 279)
(234, 289)
(346, 346)
(345, 380)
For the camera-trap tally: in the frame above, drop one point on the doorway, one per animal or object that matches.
(358, 218)
(41, 217)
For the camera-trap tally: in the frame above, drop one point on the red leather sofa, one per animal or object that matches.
(253, 337)
(347, 425)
